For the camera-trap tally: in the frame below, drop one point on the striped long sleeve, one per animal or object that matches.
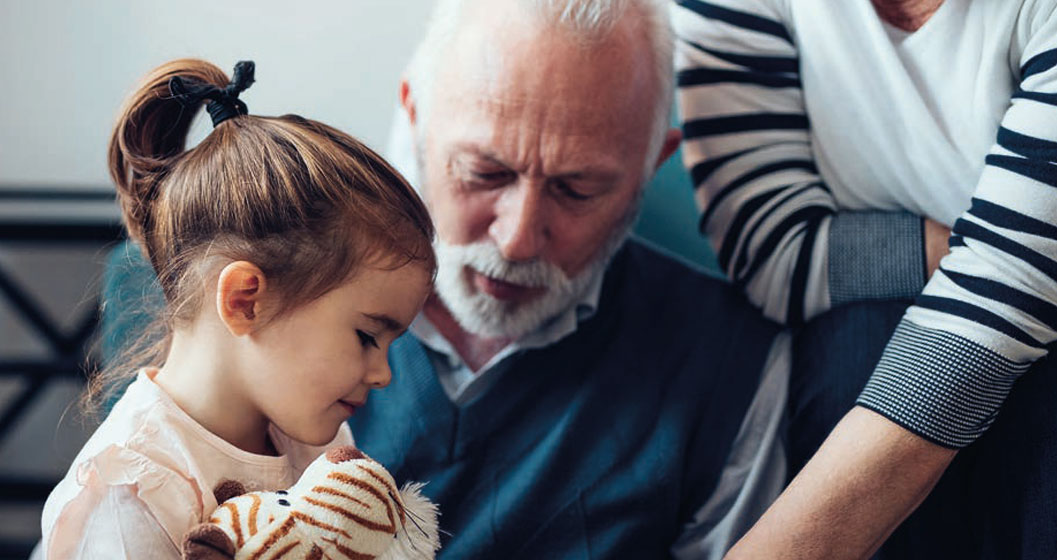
(772, 220)
(990, 311)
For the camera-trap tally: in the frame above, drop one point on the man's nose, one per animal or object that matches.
(520, 228)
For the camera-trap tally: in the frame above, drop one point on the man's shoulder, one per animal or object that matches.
(668, 285)
(644, 256)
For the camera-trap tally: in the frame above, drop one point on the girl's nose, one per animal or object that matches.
(380, 375)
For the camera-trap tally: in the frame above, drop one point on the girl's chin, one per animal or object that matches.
(317, 436)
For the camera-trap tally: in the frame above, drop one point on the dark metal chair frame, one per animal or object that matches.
(69, 352)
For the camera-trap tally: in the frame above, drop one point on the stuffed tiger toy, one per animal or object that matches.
(344, 506)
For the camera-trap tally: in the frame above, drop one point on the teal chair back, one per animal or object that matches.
(669, 218)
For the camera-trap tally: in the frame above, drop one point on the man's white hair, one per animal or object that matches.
(589, 20)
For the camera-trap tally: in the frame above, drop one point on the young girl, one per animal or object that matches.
(290, 256)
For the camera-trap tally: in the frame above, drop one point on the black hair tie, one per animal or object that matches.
(224, 103)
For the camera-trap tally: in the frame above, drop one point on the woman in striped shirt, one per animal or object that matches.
(831, 144)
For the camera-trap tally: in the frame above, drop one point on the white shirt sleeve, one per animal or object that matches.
(755, 472)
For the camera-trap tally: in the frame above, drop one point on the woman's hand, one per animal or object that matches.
(937, 237)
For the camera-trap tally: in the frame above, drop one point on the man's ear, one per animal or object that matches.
(672, 138)
(241, 288)
(406, 100)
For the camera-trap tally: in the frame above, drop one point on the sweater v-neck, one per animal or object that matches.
(923, 24)
(531, 382)
(902, 38)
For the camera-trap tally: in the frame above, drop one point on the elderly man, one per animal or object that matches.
(567, 392)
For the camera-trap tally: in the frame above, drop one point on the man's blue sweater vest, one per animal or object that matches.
(602, 445)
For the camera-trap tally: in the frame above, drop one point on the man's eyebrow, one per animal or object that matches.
(590, 172)
(479, 151)
(386, 322)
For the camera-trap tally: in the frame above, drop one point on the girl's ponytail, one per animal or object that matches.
(150, 134)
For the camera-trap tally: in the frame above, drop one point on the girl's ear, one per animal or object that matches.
(241, 289)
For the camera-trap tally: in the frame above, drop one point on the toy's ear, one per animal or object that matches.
(344, 453)
(227, 489)
(207, 542)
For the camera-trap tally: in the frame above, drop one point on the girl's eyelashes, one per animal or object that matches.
(367, 339)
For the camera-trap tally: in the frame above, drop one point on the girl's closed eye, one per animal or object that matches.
(367, 339)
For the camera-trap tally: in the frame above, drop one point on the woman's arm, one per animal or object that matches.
(990, 311)
(773, 222)
(864, 481)
(985, 316)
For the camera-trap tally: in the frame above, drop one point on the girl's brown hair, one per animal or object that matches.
(306, 203)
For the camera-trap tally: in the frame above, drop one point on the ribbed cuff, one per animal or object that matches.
(942, 387)
(875, 255)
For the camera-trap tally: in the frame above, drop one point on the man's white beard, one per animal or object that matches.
(479, 313)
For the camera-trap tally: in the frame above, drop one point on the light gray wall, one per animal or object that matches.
(68, 64)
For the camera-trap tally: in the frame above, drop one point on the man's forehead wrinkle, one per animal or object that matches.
(544, 137)
(538, 144)
(510, 55)
(501, 38)
(545, 104)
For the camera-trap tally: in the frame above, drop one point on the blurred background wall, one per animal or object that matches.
(66, 66)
